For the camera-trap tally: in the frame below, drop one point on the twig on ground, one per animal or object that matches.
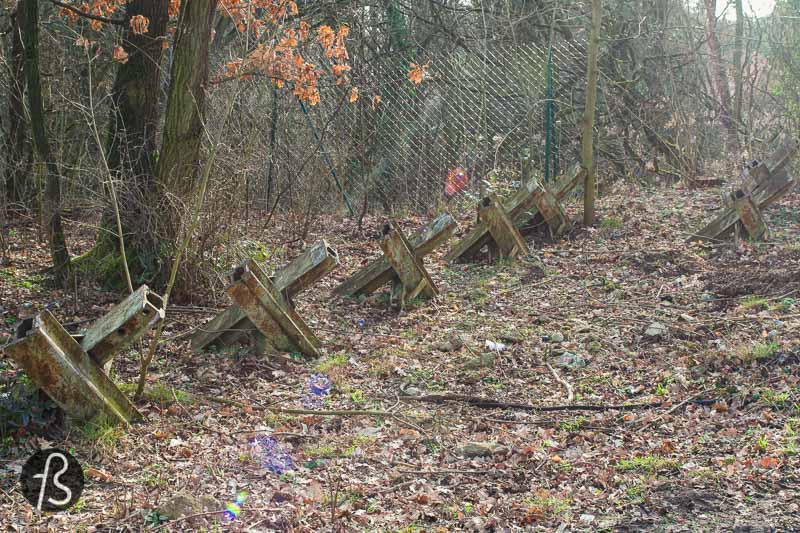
(690, 399)
(190, 309)
(359, 332)
(253, 526)
(485, 403)
(178, 336)
(175, 397)
(275, 433)
(393, 488)
(570, 394)
(226, 401)
(411, 424)
(188, 517)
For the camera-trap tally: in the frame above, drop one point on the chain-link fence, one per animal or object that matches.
(480, 119)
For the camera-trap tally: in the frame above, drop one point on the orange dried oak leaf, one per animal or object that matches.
(120, 55)
(139, 24)
(768, 462)
(418, 72)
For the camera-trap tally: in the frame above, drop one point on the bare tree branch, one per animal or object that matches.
(119, 22)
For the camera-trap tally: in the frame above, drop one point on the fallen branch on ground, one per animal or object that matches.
(488, 403)
(343, 412)
(485, 403)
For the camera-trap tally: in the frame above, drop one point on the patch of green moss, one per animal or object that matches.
(647, 463)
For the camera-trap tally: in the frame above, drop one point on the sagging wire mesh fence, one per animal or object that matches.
(480, 119)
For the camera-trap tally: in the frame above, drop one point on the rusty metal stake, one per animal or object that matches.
(270, 312)
(57, 363)
(126, 323)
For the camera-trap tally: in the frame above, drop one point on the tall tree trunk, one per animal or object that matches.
(719, 77)
(273, 128)
(183, 125)
(131, 141)
(28, 13)
(738, 54)
(18, 186)
(587, 134)
(135, 96)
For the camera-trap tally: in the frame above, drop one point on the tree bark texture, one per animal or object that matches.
(183, 125)
(719, 77)
(28, 13)
(738, 54)
(587, 134)
(135, 112)
(131, 145)
(18, 186)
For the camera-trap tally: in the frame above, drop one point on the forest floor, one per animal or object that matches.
(716, 446)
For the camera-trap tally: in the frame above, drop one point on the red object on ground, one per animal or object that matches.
(456, 181)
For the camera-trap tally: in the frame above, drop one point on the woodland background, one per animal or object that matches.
(683, 94)
(163, 142)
